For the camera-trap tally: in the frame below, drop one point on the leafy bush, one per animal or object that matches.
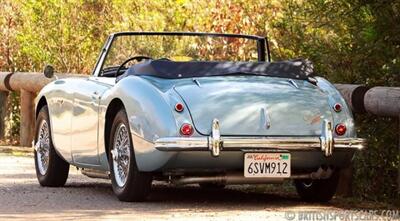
(349, 41)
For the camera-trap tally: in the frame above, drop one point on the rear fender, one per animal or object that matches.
(345, 116)
(54, 93)
(150, 117)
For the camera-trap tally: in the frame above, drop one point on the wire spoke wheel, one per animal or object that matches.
(51, 169)
(121, 154)
(128, 183)
(43, 147)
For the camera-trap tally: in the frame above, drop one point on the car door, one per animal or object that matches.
(85, 120)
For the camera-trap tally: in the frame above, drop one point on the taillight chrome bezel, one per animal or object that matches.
(337, 107)
(179, 107)
(340, 129)
(186, 130)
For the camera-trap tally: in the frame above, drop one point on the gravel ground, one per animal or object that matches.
(83, 198)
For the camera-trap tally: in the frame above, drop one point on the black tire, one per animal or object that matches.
(138, 184)
(57, 170)
(317, 190)
(212, 186)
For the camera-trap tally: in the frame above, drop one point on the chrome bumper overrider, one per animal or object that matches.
(215, 143)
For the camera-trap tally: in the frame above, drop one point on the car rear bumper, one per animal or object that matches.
(256, 143)
(215, 143)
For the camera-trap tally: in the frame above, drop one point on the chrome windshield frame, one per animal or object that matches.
(263, 50)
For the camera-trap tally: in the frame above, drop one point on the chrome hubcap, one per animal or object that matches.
(42, 147)
(121, 153)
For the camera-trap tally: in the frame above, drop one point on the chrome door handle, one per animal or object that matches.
(95, 95)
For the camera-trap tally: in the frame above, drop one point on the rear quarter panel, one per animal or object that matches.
(345, 116)
(150, 117)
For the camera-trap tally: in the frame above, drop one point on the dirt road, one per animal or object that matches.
(83, 198)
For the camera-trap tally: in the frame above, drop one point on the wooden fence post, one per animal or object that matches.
(354, 96)
(3, 113)
(27, 118)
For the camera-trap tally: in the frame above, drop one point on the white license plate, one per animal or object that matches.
(275, 165)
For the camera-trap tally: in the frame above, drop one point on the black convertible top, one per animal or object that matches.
(296, 69)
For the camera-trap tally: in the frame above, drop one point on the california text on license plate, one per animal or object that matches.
(267, 165)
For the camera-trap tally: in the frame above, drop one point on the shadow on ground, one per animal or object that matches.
(84, 198)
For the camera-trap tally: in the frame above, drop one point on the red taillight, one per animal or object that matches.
(186, 129)
(337, 107)
(340, 129)
(179, 107)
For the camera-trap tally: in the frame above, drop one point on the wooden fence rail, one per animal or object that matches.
(28, 84)
(380, 101)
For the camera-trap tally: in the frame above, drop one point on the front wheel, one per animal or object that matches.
(128, 183)
(317, 190)
(51, 169)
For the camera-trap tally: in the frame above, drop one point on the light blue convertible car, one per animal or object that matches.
(194, 108)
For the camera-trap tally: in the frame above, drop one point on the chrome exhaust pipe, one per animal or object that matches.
(238, 178)
(225, 179)
(95, 173)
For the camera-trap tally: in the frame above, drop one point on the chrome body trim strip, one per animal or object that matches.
(196, 82)
(266, 118)
(291, 81)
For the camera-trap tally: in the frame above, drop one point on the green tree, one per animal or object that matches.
(349, 41)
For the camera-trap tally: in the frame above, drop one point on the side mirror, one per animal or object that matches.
(48, 71)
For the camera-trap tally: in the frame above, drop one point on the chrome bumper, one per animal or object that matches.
(215, 143)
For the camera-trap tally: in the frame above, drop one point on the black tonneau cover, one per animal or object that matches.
(295, 69)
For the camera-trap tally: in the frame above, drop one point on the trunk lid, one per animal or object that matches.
(247, 105)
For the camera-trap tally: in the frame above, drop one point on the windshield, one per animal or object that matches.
(182, 47)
